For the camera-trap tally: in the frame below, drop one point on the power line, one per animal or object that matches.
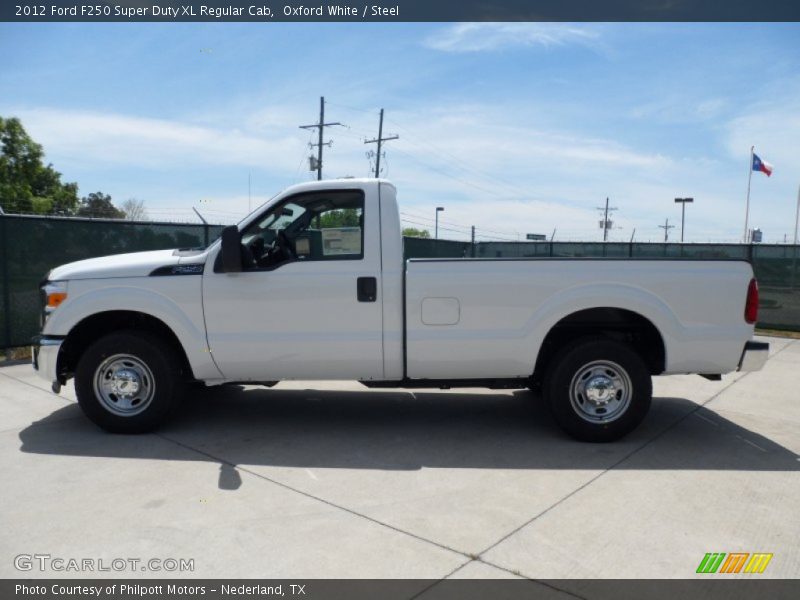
(424, 218)
(302, 157)
(513, 234)
(412, 222)
(363, 110)
(457, 228)
(467, 167)
(494, 182)
(453, 177)
(464, 167)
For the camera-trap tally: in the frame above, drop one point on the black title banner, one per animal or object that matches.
(399, 589)
(399, 10)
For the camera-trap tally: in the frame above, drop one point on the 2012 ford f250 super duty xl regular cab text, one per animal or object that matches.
(313, 285)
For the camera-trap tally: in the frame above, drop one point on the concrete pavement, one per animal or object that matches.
(334, 480)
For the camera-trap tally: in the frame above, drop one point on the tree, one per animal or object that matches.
(26, 184)
(134, 210)
(346, 217)
(417, 233)
(98, 205)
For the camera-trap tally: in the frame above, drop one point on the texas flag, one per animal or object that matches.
(761, 165)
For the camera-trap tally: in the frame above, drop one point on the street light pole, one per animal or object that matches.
(682, 202)
(438, 210)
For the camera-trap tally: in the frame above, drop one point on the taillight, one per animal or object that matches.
(751, 306)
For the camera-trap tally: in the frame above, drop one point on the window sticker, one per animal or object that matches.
(341, 240)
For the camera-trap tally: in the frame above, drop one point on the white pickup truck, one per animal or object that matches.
(313, 286)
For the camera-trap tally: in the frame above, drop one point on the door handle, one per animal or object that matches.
(367, 289)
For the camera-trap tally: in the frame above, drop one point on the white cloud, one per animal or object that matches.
(474, 159)
(681, 108)
(482, 37)
(83, 137)
(514, 179)
(773, 127)
(486, 137)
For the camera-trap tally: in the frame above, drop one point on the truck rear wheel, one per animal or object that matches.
(598, 390)
(128, 382)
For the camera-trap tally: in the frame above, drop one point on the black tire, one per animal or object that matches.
(587, 384)
(151, 365)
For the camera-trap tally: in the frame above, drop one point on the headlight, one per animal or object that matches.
(54, 292)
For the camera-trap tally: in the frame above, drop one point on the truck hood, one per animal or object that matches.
(135, 264)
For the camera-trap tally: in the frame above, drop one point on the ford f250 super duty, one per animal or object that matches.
(313, 285)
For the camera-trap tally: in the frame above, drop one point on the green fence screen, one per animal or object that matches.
(31, 246)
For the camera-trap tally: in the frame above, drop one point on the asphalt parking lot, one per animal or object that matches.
(334, 480)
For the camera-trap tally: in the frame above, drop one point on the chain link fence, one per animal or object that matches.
(31, 246)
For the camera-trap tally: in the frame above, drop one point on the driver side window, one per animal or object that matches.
(308, 227)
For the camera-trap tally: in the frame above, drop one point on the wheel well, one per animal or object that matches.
(614, 323)
(91, 328)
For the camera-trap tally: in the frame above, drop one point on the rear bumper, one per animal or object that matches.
(754, 356)
(45, 357)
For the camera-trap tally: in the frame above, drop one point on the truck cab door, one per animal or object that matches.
(306, 304)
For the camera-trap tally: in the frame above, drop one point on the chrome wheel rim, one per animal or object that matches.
(124, 385)
(600, 391)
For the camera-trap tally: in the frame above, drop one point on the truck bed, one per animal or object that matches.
(487, 318)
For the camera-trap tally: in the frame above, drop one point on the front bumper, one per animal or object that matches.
(754, 356)
(45, 357)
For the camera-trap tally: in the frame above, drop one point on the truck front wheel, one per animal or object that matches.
(598, 390)
(128, 382)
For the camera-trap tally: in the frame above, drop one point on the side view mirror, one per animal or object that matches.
(231, 249)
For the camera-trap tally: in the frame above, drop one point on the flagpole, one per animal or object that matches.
(747, 206)
(794, 249)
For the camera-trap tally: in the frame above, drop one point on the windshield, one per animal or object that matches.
(282, 218)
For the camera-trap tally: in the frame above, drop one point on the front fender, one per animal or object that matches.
(176, 301)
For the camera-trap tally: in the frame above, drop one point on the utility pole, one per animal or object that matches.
(438, 210)
(379, 140)
(797, 216)
(682, 202)
(794, 250)
(472, 239)
(320, 127)
(666, 227)
(605, 224)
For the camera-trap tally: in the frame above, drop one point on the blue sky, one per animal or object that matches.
(514, 128)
